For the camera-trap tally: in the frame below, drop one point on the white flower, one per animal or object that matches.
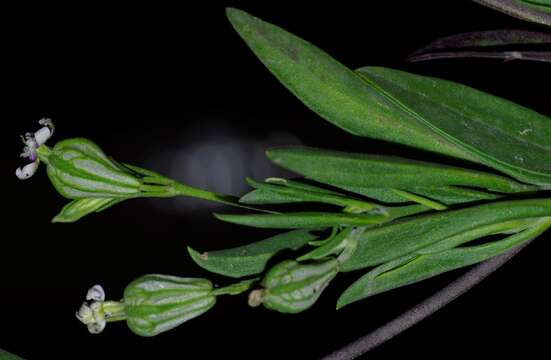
(95, 313)
(32, 143)
(92, 315)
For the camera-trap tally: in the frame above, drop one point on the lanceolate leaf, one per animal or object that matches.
(423, 112)
(484, 39)
(482, 44)
(333, 91)
(404, 237)
(445, 194)
(270, 193)
(306, 220)
(541, 56)
(498, 133)
(411, 269)
(250, 259)
(377, 171)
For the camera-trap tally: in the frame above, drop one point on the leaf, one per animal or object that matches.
(423, 112)
(537, 11)
(306, 220)
(378, 171)
(541, 56)
(76, 209)
(411, 269)
(332, 246)
(480, 44)
(332, 90)
(454, 194)
(273, 193)
(496, 132)
(250, 259)
(488, 38)
(4, 355)
(394, 240)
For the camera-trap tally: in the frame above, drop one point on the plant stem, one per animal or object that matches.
(186, 190)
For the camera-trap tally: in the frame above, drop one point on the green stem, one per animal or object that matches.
(186, 190)
(114, 311)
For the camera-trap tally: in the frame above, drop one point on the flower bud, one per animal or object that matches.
(79, 169)
(292, 287)
(157, 303)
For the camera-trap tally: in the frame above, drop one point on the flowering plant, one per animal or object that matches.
(398, 220)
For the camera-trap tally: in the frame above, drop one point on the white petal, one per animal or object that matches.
(26, 171)
(42, 135)
(47, 122)
(84, 314)
(97, 327)
(96, 293)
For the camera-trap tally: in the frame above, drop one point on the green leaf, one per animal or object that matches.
(285, 192)
(304, 220)
(445, 194)
(332, 246)
(414, 268)
(317, 220)
(453, 194)
(76, 209)
(494, 131)
(4, 355)
(423, 112)
(250, 259)
(395, 240)
(332, 90)
(354, 170)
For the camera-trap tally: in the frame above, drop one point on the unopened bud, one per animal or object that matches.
(292, 287)
(158, 303)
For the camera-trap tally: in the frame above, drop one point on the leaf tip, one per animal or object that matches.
(341, 302)
(196, 256)
(235, 15)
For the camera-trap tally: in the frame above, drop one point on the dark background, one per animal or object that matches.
(174, 89)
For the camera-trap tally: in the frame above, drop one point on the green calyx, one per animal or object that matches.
(80, 171)
(158, 303)
(292, 287)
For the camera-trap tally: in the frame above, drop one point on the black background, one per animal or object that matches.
(173, 88)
